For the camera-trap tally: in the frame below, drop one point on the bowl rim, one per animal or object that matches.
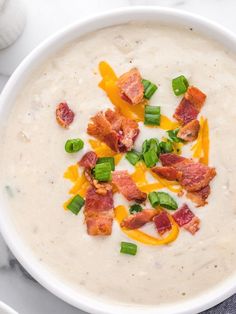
(86, 25)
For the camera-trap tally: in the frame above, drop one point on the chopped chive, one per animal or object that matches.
(111, 160)
(152, 143)
(166, 147)
(135, 208)
(149, 88)
(76, 204)
(133, 157)
(152, 115)
(128, 248)
(150, 158)
(145, 146)
(153, 199)
(74, 145)
(180, 85)
(167, 201)
(102, 172)
(173, 136)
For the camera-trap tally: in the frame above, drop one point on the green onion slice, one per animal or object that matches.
(111, 160)
(135, 208)
(74, 145)
(102, 172)
(173, 136)
(149, 88)
(152, 143)
(167, 201)
(128, 248)
(166, 147)
(180, 85)
(153, 199)
(150, 158)
(76, 204)
(152, 115)
(133, 157)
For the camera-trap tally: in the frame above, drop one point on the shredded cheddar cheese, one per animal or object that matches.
(167, 124)
(121, 213)
(201, 147)
(72, 173)
(102, 150)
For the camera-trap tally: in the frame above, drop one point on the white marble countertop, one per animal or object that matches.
(17, 287)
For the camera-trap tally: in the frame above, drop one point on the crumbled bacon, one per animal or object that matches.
(138, 220)
(98, 212)
(195, 175)
(193, 225)
(185, 112)
(89, 160)
(118, 132)
(169, 160)
(190, 105)
(102, 129)
(162, 223)
(131, 87)
(196, 97)
(101, 187)
(199, 197)
(183, 215)
(123, 181)
(168, 173)
(189, 132)
(64, 115)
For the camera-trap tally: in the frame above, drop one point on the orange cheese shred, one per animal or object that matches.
(205, 143)
(121, 213)
(102, 150)
(201, 147)
(72, 173)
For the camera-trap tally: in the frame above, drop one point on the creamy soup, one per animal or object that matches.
(33, 161)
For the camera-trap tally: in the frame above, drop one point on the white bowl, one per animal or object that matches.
(49, 281)
(5, 309)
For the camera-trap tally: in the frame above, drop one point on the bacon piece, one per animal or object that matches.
(196, 97)
(101, 187)
(101, 129)
(127, 129)
(118, 132)
(193, 225)
(162, 223)
(195, 175)
(64, 115)
(98, 212)
(199, 197)
(127, 186)
(189, 132)
(185, 112)
(183, 215)
(168, 173)
(138, 220)
(131, 87)
(89, 160)
(171, 159)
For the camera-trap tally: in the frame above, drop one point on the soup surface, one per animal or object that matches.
(33, 161)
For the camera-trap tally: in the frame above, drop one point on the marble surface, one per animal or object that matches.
(17, 287)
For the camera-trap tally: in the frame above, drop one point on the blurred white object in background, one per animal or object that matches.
(5, 309)
(12, 21)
